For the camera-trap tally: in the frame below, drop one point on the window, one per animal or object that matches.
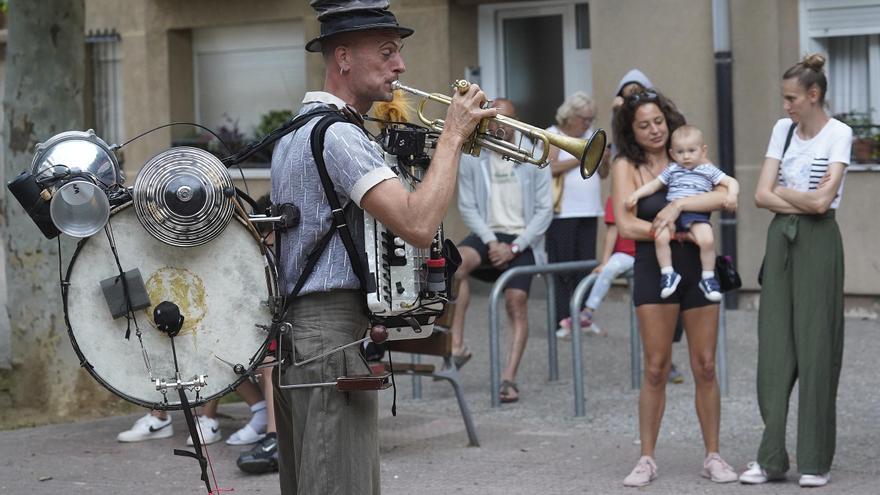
(242, 73)
(848, 32)
(853, 69)
(104, 81)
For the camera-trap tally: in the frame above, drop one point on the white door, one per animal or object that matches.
(535, 53)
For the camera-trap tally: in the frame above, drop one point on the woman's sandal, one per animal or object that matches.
(504, 391)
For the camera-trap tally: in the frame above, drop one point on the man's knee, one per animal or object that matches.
(470, 260)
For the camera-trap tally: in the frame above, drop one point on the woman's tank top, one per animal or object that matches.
(648, 208)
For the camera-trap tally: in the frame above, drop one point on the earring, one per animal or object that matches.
(341, 71)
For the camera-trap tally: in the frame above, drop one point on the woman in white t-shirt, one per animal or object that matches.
(800, 321)
(572, 234)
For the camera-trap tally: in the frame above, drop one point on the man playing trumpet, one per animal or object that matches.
(328, 440)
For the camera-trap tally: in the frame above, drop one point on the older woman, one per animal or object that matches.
(572, 234)
(643, 126)
(800, 322)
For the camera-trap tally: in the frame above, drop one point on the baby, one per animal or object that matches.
(689, 175)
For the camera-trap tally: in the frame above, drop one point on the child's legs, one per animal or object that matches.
(705, 239)
(618, 264)
(661, 247)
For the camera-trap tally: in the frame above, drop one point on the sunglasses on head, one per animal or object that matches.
(642, 96)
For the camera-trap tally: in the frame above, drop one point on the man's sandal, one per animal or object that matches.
(461, 359)
(504, 391)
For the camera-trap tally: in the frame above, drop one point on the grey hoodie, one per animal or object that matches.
(634, 75)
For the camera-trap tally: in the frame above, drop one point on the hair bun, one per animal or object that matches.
(814, 61)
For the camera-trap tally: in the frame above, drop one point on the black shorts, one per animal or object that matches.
(488, 273)
(685, 261)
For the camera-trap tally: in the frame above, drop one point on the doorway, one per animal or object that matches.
(535, 54)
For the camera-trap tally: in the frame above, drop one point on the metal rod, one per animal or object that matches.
(319, 356)
(721, 349)
(635, 343)
(495, 296)
(724, 104)
(416, 379)
(552, 354)
(575, 305)
(264, 218)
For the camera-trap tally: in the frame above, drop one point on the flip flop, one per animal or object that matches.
(504, 392)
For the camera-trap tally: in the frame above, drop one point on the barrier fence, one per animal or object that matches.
(576, 303)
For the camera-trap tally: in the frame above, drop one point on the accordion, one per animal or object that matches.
(408, 287)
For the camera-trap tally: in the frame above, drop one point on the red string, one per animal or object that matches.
(216, 489)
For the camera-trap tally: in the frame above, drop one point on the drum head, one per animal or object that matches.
(221, 289)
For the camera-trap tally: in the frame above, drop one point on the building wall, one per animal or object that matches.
(670, 41)
(156, 46)
(680, 62)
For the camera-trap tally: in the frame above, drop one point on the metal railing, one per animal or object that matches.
(635, 346)
(576, 303)
(495, 296)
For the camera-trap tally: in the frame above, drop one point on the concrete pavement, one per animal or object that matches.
(533, 446)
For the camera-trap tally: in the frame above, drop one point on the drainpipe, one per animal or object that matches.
(724, 96)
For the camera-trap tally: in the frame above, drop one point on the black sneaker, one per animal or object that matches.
(263, 458)
(711, 289)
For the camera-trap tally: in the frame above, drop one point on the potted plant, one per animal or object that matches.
(865, 135)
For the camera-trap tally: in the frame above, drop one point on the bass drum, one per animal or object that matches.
(221, 288)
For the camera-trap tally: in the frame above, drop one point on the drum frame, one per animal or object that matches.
(255, 361)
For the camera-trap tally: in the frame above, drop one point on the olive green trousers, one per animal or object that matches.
(800, 339)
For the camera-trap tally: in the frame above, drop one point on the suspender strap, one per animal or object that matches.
(288, 127)
(337, 212)
(311, 261)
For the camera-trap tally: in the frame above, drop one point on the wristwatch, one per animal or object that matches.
(514, 248)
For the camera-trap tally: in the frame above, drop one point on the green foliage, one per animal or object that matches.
(272, 120)
(861, 124)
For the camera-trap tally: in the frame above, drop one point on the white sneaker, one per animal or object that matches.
(148, 427)
(813, 480)
(717, 470)
(209, 431)
(755, 475)
(643, 474)
(245, 436)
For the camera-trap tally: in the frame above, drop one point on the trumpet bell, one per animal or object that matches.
(589, 151)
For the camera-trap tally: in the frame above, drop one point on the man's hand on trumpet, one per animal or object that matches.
(465, 113)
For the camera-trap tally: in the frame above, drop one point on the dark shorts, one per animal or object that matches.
(685, 260)
(688, 218)
(488, 273)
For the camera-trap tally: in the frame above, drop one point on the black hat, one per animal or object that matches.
(359, 15)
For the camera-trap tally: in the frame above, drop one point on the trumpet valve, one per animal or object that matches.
(461, 86)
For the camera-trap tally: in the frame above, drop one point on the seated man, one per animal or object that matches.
(508, 207)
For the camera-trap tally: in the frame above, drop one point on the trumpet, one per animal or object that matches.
(588, 151)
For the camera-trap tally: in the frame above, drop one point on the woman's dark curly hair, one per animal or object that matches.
(625, 138)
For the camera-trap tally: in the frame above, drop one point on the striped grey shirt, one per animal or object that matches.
(355, 164)
(682, 182)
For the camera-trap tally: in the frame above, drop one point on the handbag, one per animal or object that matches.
(557, 183)
(726, 273)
